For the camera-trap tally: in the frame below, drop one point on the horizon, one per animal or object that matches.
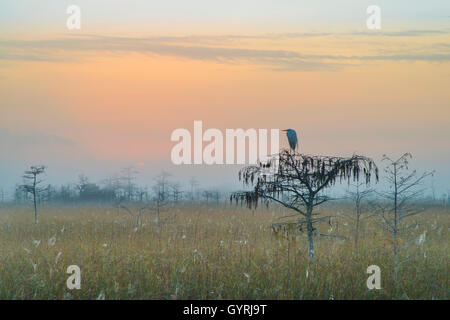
(109, 95)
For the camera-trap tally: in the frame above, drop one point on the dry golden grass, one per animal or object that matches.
(210, 253)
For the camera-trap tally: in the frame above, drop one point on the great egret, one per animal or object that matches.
(292, 138)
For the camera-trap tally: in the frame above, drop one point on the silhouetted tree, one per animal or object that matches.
(207, 195)
(193, 183)
(176, 192)
(143, 194)
(359, 197)
(403, 188)
(20, 194)
(161, 187)
(128, 175)
(32, 185)
(298, 182)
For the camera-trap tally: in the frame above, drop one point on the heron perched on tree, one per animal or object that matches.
(292, 138)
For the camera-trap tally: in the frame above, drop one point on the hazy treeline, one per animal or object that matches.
(123, 188)
(120, 189)
(115, 190)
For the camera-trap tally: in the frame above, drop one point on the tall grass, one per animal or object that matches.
(211, 253)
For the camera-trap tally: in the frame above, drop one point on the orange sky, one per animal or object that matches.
(343, 93)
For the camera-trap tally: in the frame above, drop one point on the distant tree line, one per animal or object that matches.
(119, 189)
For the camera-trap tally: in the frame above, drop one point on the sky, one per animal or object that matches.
(109, 95)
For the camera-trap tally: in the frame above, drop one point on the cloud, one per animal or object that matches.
(17, 56)
(159, 46)
(227, 49)
(403, 33)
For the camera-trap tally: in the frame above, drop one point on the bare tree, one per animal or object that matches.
(216, 196)
(50, 193)
(67, 193)
(20, 195)
(207, 195)
(158, 203)
(433, 190)
(161, 198)
(193, 182)
(448, 197)
(128, 176)
(115, 188)
(403, 188)
(445, 199)
(299, 181)
(143, 194)
(161, 187)
(82, 185)
(32, 185)
(211, 195)
(137, 215)
(176, 192)
(361, 212)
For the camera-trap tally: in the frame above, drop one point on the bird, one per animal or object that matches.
(292, 138)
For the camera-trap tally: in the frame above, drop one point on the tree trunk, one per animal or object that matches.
(396, 222)
(309, 227)
(35, 209)
(310, 241)
(34, 200)
(358, 214)
(394, 236)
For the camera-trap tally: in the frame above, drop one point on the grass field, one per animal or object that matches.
(211, 253)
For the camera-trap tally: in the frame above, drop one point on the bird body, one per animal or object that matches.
(292, 138)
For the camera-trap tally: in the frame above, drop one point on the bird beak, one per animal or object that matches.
(284, 130)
